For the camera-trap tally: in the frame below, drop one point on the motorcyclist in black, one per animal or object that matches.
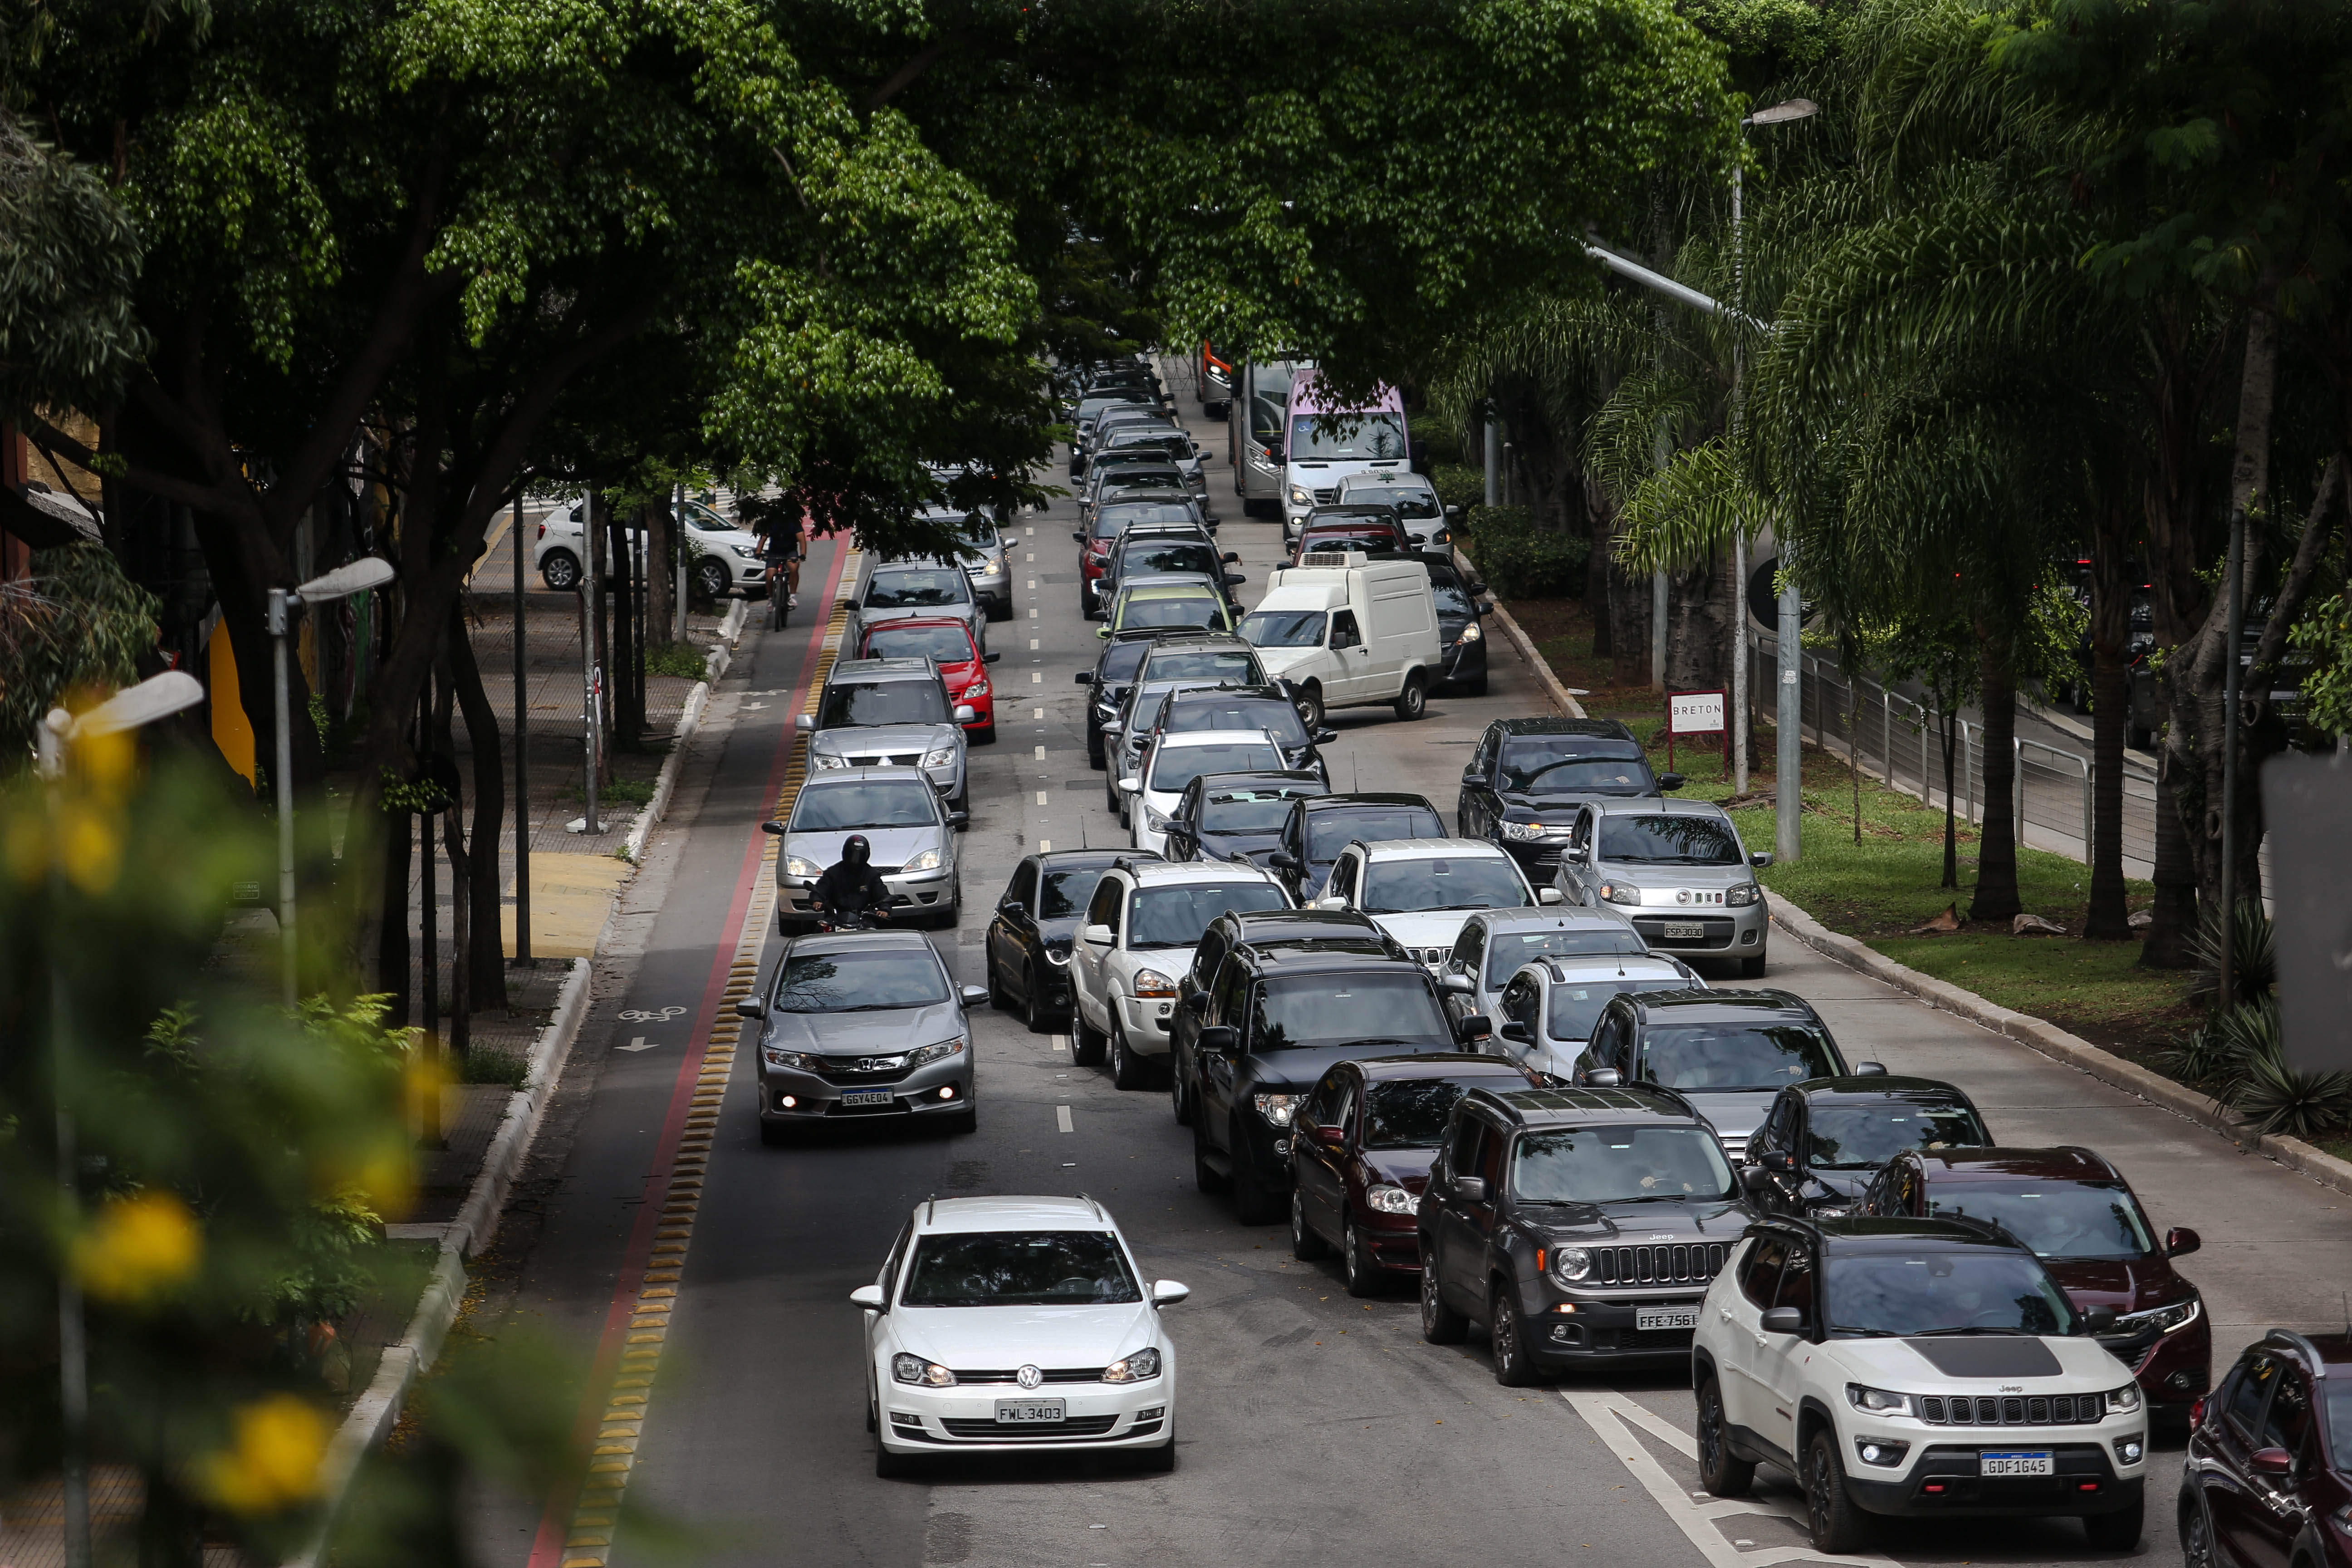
(851, 886)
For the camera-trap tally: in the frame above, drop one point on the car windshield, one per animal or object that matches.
(2056, 1219)
(1177, 766)
(1391, 1007)
(1160, 442)
(907, 590)
(1860, 1137)
(861, 982)
(1510, 949)
(1065, 893)
(1734, 1056)
(1116, 520)
(1928, 1293)
(1170, 610)
(1230, 666)
(1669, 841)
(851, 703)
(1616, 1165)
(1283, 628)
(1175, 917)
(1135, 476)
(1328, 832)
(1345, 438)
(1452, 598)
(1144, 558)
(1410, 1113)
(1258, 810)
(877, 803)
(1450, 882)
(1271, 714)
(1576, 1003)
(949, 645)
(1407, 502)
(1120, 662)
(703, 520)
(1020, 1268)
(1572, 764)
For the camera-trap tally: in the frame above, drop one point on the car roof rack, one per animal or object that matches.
(2287, 1339)
(1088, 1199)
(933, 1216)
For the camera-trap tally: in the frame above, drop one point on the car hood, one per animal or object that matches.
(1905, 1364)
(1424, 928)
(1658, 883)
(1406, 1168)
(875, 615)
(1717, 1219)
(1275, 660)
(978, 1339)
(1735, 1114)
(1253, 846)
(1846, 1185)
(885, 1032)
(862, 738)
(2126, 1284)
(1547, 806)
(1300, 1070)
(892, 846)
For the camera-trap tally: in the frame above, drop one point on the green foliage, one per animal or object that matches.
(2326, 634)
(1458, 484)
(491, 1064)
(76, 626)
(613, 791)
(683, 659)
(2243, 1052)
(2253, 948)
(69, 255)
(1522, 561)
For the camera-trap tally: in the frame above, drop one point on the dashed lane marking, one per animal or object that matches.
(1062, 1118)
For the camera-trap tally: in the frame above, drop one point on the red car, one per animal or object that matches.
(1361, 1149)
(1096, 543)
(2269, 1475)
(2082, 1220)
(1368, 534)
(961, 664)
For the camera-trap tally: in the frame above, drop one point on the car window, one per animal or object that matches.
(2247, 1395)
(1518, 1002)
(1065, 893)
(849, 704)
(890, 1264)
(899, 590)
(1491, 1150)
(1258, 809)
(1103, 911)
(1873, 1293)
(1176, 916)
(1735, 1056)
(2057, 1219)
(1511, 949)
(1275, 716)
(1343, 1105)
(1669, 841)
(1386, 1007)
(1328, 832)
(1343, 878)
(1462, 1156)
(1560, 764)
(1777, 1128)
(1343, 629)
(1175, 767)
(1796, 1287)
(949, 645)
(1576, 1004)
(860, 982)
(2287, 1423)
(1408, 1114)
(1228, 666)
(1619, 1165)
(1020, 1268)
(872, 803)
(1445, 882)
(1855, 1137)
(1320, 1100)
(1022, 889)
(1759, 1272)
(1345, 437)
(1120, 662)
(1283, 628)
(1451, 599)
(1233, 986)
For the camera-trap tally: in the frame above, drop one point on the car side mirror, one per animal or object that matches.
(1013, 908)
(1780, 1162)
(804, 723)
(2271, 1462)
(1112, 729)
(1756, 1179)
(972, 996)
(1130, 786)
(1513, 1029)
(1870, 1070)
(1168, 1292)
(1079, 534)
(775, 828)
(2180, 1241)
(1085, 677)
(1283, 860)
(2098, 1319)
(959, 819)
(1486, 607)
(1454, 511)
(1474, 1028)
(1333, 902)
(1472, 1189)
(1604, 1078)
(1550, 896)
(1575, 853)
(1229, 558)
(1216, 1040)
(1331, 1137)
(1235, 579)
(1670, 781)
(1458, 983)
(989, 657)
(966, 713)
(1097, 935)
(750, 1007)
(1763, 860)
(1325, 737)
(869, 1297)
(1783, 1321)
(1196, 1005)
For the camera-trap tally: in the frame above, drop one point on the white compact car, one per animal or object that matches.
(1010, 1323)
(1546, 1010)
(1173, 761)
(1141, 926)
(1421, 891)
(1915, 1368)
(724, 556)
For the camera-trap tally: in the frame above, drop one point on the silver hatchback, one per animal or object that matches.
(1677, 870)
(912, 833)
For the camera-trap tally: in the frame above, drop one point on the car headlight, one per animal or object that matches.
(1136, 1366)
(827, 759)
(929, 860)
(2164, 1319)
(939, 757)
(977, 689)
(798, 1061)
(794, 865)
(1470, 633)
(1058, 953)
(1621, 893)
(938, 1053)
(748, 552)
(916, 1369)
(1387, 1198)
(1745, 893)
(1278, 1109)
(1154, 820)
(1301, 495)
(1877, 1401)
(1151, 983)
(1572, 1265)
(1523, 831)
(2123, 1401)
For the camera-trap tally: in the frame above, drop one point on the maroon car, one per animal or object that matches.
(2081, 1217)
(2270, 1452)
(1366, 532)
(1360, 1147)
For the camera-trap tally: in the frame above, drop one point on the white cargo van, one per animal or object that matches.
(1345, 630)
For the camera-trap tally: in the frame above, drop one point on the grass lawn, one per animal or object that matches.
(1889, 882)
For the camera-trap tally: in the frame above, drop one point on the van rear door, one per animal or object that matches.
(1400, 619)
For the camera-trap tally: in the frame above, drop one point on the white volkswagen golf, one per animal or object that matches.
(1016, 1322)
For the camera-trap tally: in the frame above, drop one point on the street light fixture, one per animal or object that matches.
(1779, 113)
(368, 572)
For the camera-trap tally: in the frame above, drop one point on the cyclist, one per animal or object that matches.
(851, 886)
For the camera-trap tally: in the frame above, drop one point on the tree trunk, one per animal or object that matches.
(392, 954)
(2110, 917)
(486, 953)
(1628, 623)
(1995, 896)
(461, 898)
(1946, 726)
(665, 539)
(2175, 925)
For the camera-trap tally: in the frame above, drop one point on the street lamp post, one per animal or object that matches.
(134, 709)
(368, 572)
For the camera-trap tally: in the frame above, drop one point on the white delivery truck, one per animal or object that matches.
(1345, 630)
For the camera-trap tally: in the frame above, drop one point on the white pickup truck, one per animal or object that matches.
(1346, 631)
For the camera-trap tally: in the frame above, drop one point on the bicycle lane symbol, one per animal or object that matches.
(650, 1015)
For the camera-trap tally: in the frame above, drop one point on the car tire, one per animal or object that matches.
(1127, 1069)
(1034, 1011)
(1507, 1336)
(1305, 1245)
(1832, 1519)
(559, 570)
(962, 1122)
(1160, 1461)
(1752, 967)
(1308, 700)
(998, 997)
(1365, 1280)
(1177, 1101)
(1440, 1324)
(983, 736)
(711, 580)
(1086, 1042)
(2120, 1530)
(1205, 1176)
(1095, 758)
(1414, 700)
(1722, 1472)
(1252, 1203)
(775, 1134)
(891, 1467)
(2196, 1534)
(947, 918)
(1001, 610)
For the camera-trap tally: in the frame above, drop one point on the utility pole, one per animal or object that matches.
(522, 959)
(1493, 462)
(1739, 717)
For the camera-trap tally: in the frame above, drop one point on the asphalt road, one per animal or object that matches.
(1309, 1423)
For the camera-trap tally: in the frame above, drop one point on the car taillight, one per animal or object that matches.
(2197, 1414)
(542, 529)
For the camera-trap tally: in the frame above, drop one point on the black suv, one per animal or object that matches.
(1112, 677)
(1581, 1226)
(1730, 1051)
(1824, 1139)
(1526, 777)
(1321, 827)
(1275, 1020)
(1028, 943)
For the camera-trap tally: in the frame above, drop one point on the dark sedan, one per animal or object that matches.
(1462, 606)
(1112, 677)
(1151, 554)
(1267, 708)
(1824, 1139)
(1319, 829)
(1036, 920)
(1235, 816)
(1528, 776)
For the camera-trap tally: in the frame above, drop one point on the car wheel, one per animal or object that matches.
(1720, 1471)
(1475, 686)
(1205, 1176)
(559, 570)
(1112, 799)
(1414, 700)
(998, 997)
(1034, 1011)
(1126, 1069)
(1176, 1100)
(1001, 609)
(2119, 1531)
(1507, 1335)
(1752, 967)
(1305, 1245)
(1160, 1461)
(983, 736)
(1309, 698)
(947, 920)
(963, 1121)
(2196, 1536)
(1363, 1276)
(1252, 1203)
(775, 1134)
(1085, 601)
(1440, 1324)
(1095, 758)
(1086, 1042)
(710, 578)
(1836, 1524)
(891, 1467)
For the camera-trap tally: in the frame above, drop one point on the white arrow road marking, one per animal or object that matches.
(1062, 1118)
(640, 1043)
(1609, 1415)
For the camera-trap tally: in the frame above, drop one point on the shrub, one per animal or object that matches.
(678, 658)
(2253, 957)
(1521, 561)
(494, 1064)
(1458, 484)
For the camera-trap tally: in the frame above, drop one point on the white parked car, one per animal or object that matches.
(1010, 1323)
(1921, 1369)
(1141, 928)
(724, 556)
(1173, 761)
(1421, 891)
(1495, 945)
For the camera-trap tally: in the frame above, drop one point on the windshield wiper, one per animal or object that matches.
(1973, 1329)
(1655, 1198)
(884, 1006)
(1867, 1333)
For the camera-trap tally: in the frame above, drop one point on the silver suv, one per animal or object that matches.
(890, 713)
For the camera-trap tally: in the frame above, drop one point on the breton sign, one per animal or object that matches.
(1698, 713)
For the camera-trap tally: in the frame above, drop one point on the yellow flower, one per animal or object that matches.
(275, 1461)
(89, 843)
(138, 1245)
